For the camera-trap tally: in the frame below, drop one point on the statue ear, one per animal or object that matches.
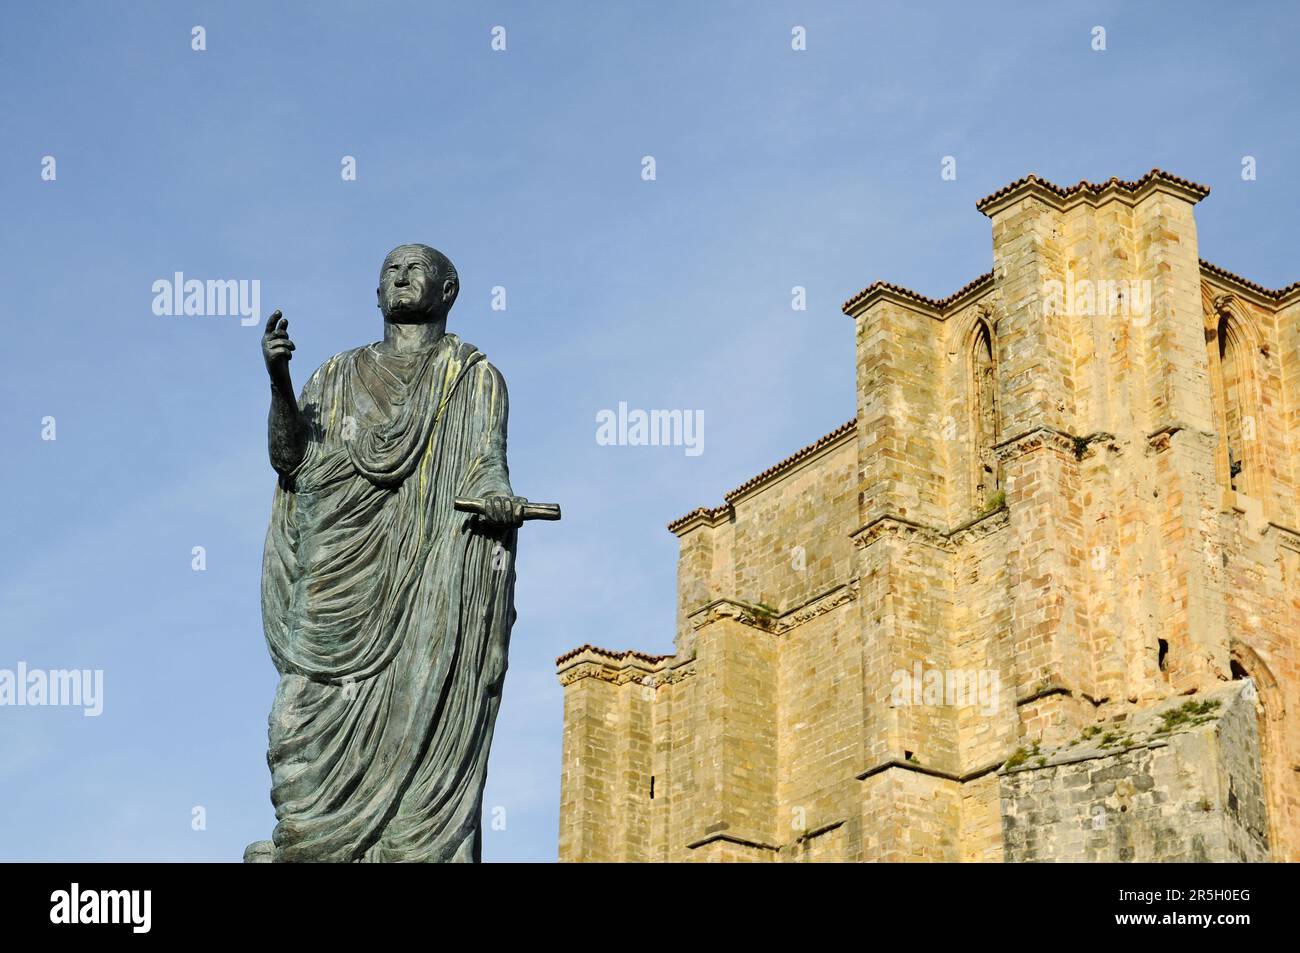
(379, 297)
(448, 289)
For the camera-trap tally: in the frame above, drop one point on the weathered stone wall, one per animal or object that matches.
(1053, 515)
(1186, 787)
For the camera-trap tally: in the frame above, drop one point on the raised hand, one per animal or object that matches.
(277, 349)
(286, 431)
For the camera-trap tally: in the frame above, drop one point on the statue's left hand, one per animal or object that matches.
(504, 510)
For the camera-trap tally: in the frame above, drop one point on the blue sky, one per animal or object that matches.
(775, 168)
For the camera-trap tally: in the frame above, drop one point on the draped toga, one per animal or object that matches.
(386, 611)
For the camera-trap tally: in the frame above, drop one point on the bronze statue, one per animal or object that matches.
(388, 583)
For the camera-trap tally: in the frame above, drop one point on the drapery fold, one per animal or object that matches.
(388, 613)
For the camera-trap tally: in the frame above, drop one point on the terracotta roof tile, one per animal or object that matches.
(939, 304)
(1275, 294)
(1083, 185)
(790, 460)
(606, 652)
(701, 511)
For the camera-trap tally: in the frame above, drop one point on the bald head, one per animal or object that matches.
(416, 284)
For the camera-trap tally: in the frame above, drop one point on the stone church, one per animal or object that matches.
(1039, 599)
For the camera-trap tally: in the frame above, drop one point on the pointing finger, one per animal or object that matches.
(270, 322)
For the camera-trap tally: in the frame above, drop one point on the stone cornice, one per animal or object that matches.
(986, 524)
(621, 676)
(756, 617)
(775, 623)
(817, 606)
(1162, 438)
(1038, 438)
(620, 669)
(900, 527)
(1158, 441)
(817, 831)
(1045, 690)
(732, 837)
(1287, 537)
(946, 540)
(904, 765)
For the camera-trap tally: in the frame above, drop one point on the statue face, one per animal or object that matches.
(410, 287)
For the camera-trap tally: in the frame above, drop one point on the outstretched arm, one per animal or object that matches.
(286, 431)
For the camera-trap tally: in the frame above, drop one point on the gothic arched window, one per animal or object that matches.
(1238, 424)
(986, 478)
(1234, 354)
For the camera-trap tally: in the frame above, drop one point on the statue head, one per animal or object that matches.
(416, 284)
